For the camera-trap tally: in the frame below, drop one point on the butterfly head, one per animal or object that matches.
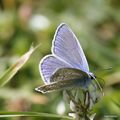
(92, 76)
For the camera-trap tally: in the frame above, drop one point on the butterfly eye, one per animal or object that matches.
(92, 76)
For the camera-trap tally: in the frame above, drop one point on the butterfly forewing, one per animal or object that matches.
(67, 47)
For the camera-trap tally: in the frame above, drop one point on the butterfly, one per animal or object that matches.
(66, 67)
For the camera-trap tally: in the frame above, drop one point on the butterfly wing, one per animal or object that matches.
(48, 65)
(67, 47)
(67, 74)
(65, 78)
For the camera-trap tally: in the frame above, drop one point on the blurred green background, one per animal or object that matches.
(96, 23)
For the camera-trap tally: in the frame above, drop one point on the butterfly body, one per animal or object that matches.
(67, 66)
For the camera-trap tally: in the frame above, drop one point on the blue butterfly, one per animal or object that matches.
(67, 66)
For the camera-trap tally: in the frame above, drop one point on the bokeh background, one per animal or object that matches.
(96, 23)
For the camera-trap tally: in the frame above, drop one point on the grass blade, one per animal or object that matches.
(10, 72)
(32, 114)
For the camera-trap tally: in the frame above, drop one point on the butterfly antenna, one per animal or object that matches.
(99, 86)
(109, 68)
(99, 78)
(104, 69)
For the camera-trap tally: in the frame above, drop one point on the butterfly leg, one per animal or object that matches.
(86, 99)
(93, 93)
(94, 87)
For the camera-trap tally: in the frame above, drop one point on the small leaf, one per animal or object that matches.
(10, 72)
(32, 114)
(92, 116)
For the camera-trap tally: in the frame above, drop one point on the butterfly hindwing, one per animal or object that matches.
(49, 65)
(67, 74)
